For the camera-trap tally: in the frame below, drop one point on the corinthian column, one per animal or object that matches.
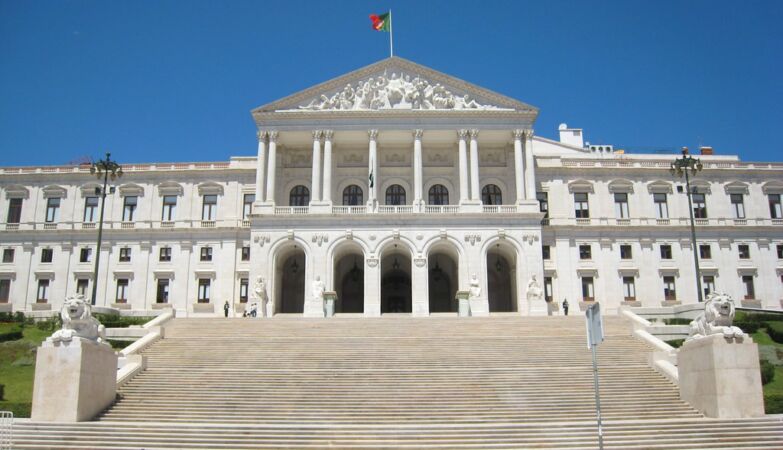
(530, 175)
(474, 166)
(316, 183)
(373, 169)
(260, 165)
(271, 167)
(518, 164)
(417, 167)
(463, 165)
(327, 194)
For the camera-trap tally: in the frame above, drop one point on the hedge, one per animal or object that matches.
(11, 334)
(117, 321)
(767, 371)
(773, 404)
(747, 326)
(775, 331)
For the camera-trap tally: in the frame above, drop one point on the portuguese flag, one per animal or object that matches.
(381, 22)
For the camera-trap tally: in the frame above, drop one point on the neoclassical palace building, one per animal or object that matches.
(396, 189)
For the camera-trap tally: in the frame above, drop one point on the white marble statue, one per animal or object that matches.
(717, 318)
(78, 322)
(318, 288)
(475, 290)
(534, 291)
(260, 290)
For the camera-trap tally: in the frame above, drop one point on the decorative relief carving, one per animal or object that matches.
(372, 262)
(419, 236)
(373, 134)
(273, 136)
(298, 158)
(349, 234)
(420, 261)
(394, 158)
(530, 238)
(442, 233)
(320, 238)
(472, 238)
(353, 159)
(441, 159)
(396, 233)
(501, 233)
(493, 157)
(290, 234)
(417, 134)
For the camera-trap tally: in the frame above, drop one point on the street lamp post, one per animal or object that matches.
(105, 168)
(679, 167)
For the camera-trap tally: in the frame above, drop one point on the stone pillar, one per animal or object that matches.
(463, 165)
(475, 193)
(373, 169)
(530, 176)
(417, 168)
(315, 194)
(420, 283)
(327, 193)
(271, 167)
(372, 286)
(261, 166)
(518, 164)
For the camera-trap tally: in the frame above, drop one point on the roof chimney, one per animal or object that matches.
(706, 150)
(571, 136)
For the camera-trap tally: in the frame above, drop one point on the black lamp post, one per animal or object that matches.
(105, 168)
(679, 167)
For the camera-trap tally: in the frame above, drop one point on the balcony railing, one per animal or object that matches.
(349, 210)
(441, 209)
(395, 209)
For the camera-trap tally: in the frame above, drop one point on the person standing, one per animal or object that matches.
(226, 307)
(565, 306)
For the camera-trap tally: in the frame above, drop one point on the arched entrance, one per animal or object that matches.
(443, 279)
(348, 279)
(396, 295)
(501, 278)
(290, 280)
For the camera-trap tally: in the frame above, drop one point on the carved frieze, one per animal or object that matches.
(320, 238)
(472, 238)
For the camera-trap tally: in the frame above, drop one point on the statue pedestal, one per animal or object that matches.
(463, 303)
(74, 381)
(721, 379)
(537, 307)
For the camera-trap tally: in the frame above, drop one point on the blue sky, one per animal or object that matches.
(175, 80)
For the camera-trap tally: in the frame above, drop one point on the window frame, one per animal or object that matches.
(585, 252)
(204, 290)
(626, 251)
(661, 207)
(669, 288)
(491, 194)
(47, 255)
(629, 288)
(129, 205)
(775, 208)
(699, 205)
(705, 254)
(588, 288)
(737, 207)
(8, 255)
(247, 205)
(299, 195)
(438, 194)
(85, 254)
(621, 210)
(162, 290)
(244, 289)
(245, 253)
(395, 195)
(42, 292)
(208, 207)
(14, 210)
(5, 290)
(205, 254)
(168, 211)
(91, 210)
(123, 286)
(743, 251)
(353, 195)
(665, 251)
(52, 209)
(125, 255)
(582, 207)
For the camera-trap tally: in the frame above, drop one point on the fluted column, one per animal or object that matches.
(417, 167)
(530, 176)
(261, 166)
(373, 169)
(271, 167)
(327, 193)
(463, 165)
(475, 193)
(315, 194)
(519, 164)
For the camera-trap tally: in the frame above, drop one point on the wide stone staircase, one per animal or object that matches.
(397, 382)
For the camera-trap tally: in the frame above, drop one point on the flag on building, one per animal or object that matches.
(381, 22)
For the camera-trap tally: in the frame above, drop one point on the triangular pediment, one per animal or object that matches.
(395, 84)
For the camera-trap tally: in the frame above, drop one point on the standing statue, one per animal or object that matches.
(260, 293)
(475, 289)
(318, 288)
(534, 291)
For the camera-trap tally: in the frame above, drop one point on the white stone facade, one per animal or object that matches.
(458, 179)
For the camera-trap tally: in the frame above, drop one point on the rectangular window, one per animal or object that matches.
(47, 254)
(548, 291)
(122, 290)
(666, 252)
(585, 252)
(621, 205)
(780, 251)
(669, 291)
(169, 208)
(708, 284)
(588, 294)
(626, 252)
(84, 254)
(747, 283)
(82, 284)
(162, 295)
(545, 252)
(744, 251)
(705, 251)
(90, 209)
(775, 211)
(15, 210)
(247, 205)
(203, 290)
(629, 288)
(43, 291)
(5, 290)
(165, 254)
(129, 208)
(125, 254)
(737, 206)
(543, 203)
(699, 206)
(243, 287)
(52, 209)
(206, 253)
(661, 206)
(8, 255)
(581, 206)
(209, 207)
(245, 253)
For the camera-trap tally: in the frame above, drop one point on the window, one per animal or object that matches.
(5, 290)
(125, 254)
(621, 205)
(247, 205)
(438, 195)
(491, 195)
(90, 209)
(129, 208)
(699, 206)
(165, 254)
(705, 251)
(585, 252)
(779, 247)
(737, 206)
(581, 207)
(206, 253)
(708, 284)
(669, 292)
(747, 283)
(548, 291)
(208, 207)
(245, 253)
(203, 290)
(629, 288)
(353, 195)
(52, 209)
(84, 254)
(169, 208)
(82, 284)
(545, 252)
(587, 289)
(243, 290)
(8, 255)
(666, 251)
(162, 295)
(744, 251)
(775, 211)
(543, 203)
(43, 291)
(395, 195)
(626, 251)
(47, 254)
(661, 206)
(299, 196)
(15, 210)
(122, 290)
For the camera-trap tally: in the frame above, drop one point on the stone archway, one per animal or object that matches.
(396, 289)
(348, 282)
(290, 269)
(501, 278)
(443, 279)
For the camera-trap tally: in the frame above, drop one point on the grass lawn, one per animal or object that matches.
(17, 369)
(772, 351)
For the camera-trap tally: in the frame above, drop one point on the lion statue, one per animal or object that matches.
(717, 318)
(78, 322)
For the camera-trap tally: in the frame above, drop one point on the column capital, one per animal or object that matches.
(518, 134)
(474, 133)
(463, 134)
(317, 134)
(417, 134)
(529, 133)
(273, 136)
(373, 134)
(328, 134)
(261, 135)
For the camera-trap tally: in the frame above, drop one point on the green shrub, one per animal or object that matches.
(118, 344)
(747, 326)
(677, 321)
(11, 334)
(775, 331)
(2, 391)
(52, 324)
(676, 343)
(767, 371)
(117, 321)
(773, 404)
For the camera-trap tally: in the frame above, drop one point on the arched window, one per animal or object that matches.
(491, 195)
(300, 196)
(395, 195)
(438, 195)
(352, 195)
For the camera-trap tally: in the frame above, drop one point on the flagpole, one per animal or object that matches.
(391, 34)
